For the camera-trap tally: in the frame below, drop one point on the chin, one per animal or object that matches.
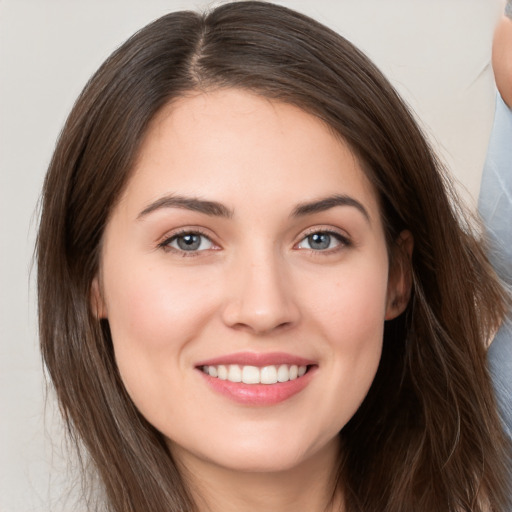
(259, 453)
(263, 461)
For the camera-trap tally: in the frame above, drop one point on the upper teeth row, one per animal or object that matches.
(255, 375)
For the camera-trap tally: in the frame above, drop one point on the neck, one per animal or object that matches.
(310, 486)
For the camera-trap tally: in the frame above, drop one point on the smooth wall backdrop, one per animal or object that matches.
(437, 54)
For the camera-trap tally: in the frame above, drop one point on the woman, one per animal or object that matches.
(254, 288)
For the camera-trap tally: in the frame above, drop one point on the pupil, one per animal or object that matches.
(319, 241)
(189, 242)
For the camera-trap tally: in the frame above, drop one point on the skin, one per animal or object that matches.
(256, 284)
(502, 59)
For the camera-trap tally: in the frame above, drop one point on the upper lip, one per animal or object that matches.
(257, 359)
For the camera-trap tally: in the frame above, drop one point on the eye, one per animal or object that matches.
(322, 241)
(188, 242)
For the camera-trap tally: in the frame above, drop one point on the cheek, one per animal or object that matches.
(351, 303)
(349, 312)
(152, 306)
(154, 316)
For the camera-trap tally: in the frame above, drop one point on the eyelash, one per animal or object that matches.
(165, 244)
(344, 242)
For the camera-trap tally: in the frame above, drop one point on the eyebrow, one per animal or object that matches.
(215, 209)
(327, 203)
(211, 208)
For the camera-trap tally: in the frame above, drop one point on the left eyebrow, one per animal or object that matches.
(211, 208)
(327, 203)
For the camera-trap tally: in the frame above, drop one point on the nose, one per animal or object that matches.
(260, 298)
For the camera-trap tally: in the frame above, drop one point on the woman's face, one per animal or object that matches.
(248, 245)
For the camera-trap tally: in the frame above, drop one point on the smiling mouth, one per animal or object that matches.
(247, 374)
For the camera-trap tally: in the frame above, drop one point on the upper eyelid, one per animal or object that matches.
(172, 234)
(165, 241)
(344, 239)
(325, 229)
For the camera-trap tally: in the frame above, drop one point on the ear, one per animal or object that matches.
(98, 305)
(400, 276)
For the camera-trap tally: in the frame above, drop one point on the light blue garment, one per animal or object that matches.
(500, 361)
(495, 201)
(495, 207)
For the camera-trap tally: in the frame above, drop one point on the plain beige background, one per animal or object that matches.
(436, 52)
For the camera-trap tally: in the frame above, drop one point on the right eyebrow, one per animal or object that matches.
(212, 208)
(329, 202)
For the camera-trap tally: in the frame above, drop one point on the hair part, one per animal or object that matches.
(427, 437)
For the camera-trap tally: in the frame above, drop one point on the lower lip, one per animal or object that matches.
(259, 394)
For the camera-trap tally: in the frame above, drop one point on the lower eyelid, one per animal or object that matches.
(165, 243)
(343, 241)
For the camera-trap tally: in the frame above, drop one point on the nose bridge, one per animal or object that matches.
(261, 296)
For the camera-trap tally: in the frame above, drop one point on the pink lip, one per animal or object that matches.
(258, 394)
(255, 359)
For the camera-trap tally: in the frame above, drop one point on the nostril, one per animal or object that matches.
(260, 300)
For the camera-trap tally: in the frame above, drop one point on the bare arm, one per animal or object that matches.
(502, 59)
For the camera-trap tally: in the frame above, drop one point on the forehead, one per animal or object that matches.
(231, 142)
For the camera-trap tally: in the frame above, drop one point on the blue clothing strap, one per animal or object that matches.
(495, 207)
(508, 9)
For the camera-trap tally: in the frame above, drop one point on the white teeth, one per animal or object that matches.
(255, 375)
(234, 373)
(222, 372)
(250, 375)
(268, 375)
(283, 373)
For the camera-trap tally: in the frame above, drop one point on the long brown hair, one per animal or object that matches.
(427, 437)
